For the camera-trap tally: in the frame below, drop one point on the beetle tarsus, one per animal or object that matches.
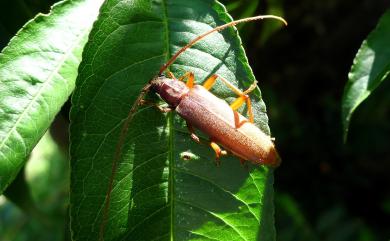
(190, 79)
(160, 108)
(164, 109)
(218, 152)
(170, 75)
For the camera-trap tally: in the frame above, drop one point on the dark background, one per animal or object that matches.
(324, 189)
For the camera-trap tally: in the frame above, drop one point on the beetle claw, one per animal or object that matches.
(195, 138)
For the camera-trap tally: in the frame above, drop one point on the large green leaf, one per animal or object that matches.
(370, 67)
(38, 69)
(166, 186)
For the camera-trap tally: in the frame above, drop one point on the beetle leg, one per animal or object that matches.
(249, 110)
(232, 87)
(218, 152)
(237, 122)
(190, 80)
(160, 108)
(164, 109)
(171, 75)
(192, 133)
(243, 96)
(239, 102)
(210, 82)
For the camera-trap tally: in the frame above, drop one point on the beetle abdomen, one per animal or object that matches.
(233, 131)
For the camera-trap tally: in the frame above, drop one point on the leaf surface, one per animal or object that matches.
(38, 69)
(166, 187)
(370, 67)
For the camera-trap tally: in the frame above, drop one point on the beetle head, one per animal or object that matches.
(170, 90)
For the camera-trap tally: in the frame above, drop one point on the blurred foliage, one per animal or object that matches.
(246, 8)
(334, 224)
(39, 197)
(324, 190)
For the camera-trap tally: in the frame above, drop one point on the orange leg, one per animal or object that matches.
(218, 152)
(237, 122)
(170, 75)
(249, 110)
(240, 101)
(190, 79)
(243, 96)
(210, 82)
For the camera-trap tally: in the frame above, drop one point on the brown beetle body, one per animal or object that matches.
(214, 117)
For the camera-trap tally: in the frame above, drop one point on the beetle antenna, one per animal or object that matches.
(217, 29)
(118, 151)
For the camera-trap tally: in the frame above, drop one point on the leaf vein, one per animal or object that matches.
(219, 187)
(215, 215)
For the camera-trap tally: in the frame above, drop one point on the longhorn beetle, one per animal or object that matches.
(206, 112)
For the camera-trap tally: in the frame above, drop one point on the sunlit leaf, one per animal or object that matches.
(166, 186)
(370, 67)
(38, 69)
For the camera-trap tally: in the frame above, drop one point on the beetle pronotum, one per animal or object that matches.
(206, 112)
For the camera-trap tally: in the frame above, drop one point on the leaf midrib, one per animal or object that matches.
(170, 129)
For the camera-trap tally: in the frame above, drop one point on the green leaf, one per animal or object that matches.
(166, 187)
(370, 67)
(38, 69)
